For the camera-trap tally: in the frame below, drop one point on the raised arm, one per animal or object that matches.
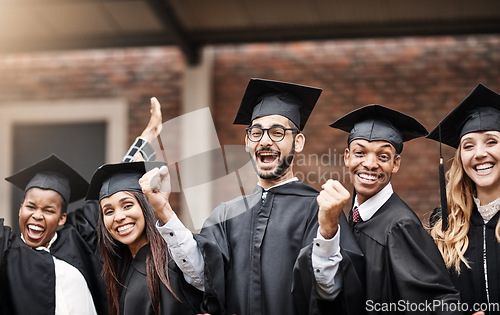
(331, 202)
(141, 149)
(85, 218)
(326, 256)
(155, 185)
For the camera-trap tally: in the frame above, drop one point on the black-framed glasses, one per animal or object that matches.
(275, 133)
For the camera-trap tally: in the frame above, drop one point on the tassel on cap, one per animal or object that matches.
(442, 187)
(479, 111)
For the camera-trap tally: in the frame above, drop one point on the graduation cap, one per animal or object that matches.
(109, 179)
(375, 122)
(54, 174)
(479, 111)
(266, 97)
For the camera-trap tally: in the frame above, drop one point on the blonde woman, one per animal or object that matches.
(468, 233)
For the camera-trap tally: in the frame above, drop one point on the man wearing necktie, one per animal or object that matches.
(273, 251)
(404, 269)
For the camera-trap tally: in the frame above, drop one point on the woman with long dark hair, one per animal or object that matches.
(135, 256)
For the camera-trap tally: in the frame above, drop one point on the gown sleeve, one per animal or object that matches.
(214, 246)
(351, 298)
(419, 270)
(5, 235)
(84, 220)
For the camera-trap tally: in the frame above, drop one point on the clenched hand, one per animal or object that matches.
(331, 201)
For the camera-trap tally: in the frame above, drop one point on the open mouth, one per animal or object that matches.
(484, 168)
(125, 229)
(35, 231)
(267, 157)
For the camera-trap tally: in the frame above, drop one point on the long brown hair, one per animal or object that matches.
(116, 258)
(453, 243)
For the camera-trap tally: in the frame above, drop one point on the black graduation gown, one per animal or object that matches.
(250, 249)
(403, 263)
(471, 282)
(28, 275)
(135, 298)
(351, 298)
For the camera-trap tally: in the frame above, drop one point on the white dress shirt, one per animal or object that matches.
(183, 248)
(73, 296)
(368, 208)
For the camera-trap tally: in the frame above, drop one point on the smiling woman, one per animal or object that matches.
(136, 269)
(53, 264)
(40, 214)
(468, 231)
(124, 221)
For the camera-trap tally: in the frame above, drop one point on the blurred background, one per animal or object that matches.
(76, 77)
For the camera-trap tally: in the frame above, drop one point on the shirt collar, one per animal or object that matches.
(47, 249)
(368, 208)
(294, 179)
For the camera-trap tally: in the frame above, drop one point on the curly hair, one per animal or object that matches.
(116, 257)
(453, 243)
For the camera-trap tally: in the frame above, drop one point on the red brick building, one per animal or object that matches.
(421, 76)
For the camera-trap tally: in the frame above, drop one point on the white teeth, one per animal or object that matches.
(125, 228)
(369, 177)
(36, 227)
(267, 153)
(484, 166)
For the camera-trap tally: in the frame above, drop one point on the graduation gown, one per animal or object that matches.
(135, 298)
(250, 249)
(351, 298)
(403, 263)
(28, 275)
(471, 282)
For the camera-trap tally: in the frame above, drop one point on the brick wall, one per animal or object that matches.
(132, 74)
(424, 77)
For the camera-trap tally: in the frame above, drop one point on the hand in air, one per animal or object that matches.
(154, 126)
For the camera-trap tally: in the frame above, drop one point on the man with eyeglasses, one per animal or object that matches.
(275, 251)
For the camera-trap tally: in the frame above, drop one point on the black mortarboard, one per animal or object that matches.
(267, 97)
(376, 122)
(479, 111)
(54, 174)
(109, 179)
